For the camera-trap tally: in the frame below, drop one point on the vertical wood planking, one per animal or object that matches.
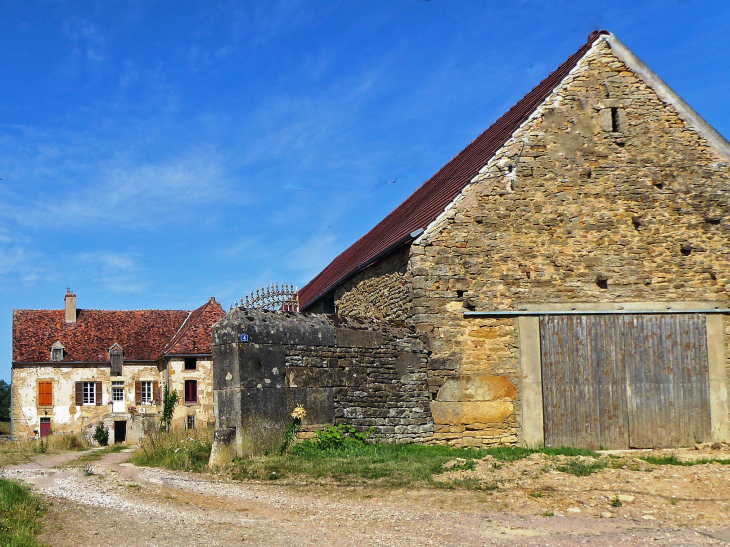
(625, 380)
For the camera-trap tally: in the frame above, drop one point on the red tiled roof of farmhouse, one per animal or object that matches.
(145, 335)
(194, 336)
(430, 200)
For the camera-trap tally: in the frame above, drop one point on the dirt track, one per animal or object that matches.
(122, 505)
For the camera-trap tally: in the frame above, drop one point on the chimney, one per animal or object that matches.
(70, 306)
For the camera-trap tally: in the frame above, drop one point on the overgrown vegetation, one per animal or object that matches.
(20, 515)
(183, 450)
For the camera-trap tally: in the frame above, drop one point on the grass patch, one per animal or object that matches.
(674, 460)
(580, 468)
(386, 464)
(179, 450)
(22, 451)
(4, 428)
(94, 455)
(20, 515)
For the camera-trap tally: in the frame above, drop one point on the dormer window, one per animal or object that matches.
(116, 358)
(57, 350)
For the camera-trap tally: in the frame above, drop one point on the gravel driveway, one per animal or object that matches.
(114, 503)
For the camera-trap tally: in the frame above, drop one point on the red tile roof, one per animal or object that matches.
(143, 334)
(194, 337)
(430, 200)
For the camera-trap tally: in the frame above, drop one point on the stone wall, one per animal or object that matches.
(381, 291)
(368, 374)
(570, 210)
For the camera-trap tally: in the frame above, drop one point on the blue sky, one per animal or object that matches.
(153, 154)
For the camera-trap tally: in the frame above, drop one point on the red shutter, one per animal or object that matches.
(98, 394)
(191, 391)
(138, 393)
(156, 392)
(79, 393)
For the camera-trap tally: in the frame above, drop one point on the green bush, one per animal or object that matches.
(101, 435)
(333, 438)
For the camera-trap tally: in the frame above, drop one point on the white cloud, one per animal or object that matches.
(119, 193)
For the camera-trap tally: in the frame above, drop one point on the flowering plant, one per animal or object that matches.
(290, 433)
(299, 413)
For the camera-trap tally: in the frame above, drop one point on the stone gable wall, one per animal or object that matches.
(381, 291)
(568, 211)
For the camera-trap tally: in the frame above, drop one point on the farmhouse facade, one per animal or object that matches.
(74, 368)
(571, 267)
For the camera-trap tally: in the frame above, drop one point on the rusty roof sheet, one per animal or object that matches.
(430, 200)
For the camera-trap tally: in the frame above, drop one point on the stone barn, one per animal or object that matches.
(570, 267)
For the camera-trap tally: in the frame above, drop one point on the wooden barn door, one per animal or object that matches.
(620, 381)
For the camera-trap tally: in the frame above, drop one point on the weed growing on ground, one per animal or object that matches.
(674, 460)
(580, 468)
(94, 455)
(615, 502)
(20, 515)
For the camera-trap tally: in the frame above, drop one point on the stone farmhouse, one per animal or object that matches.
(74, 368)
(570, 267)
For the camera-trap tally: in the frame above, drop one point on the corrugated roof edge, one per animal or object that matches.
(430, 199)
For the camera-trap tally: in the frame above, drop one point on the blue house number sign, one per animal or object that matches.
(243, 337)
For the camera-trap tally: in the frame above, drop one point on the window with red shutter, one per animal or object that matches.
(191, 391)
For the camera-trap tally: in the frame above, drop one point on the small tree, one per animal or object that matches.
(4, 401)
(101, 435)
(169, 400)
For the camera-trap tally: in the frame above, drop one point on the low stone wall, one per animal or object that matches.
(365, 373)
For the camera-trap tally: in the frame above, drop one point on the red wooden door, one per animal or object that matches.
(45, 428)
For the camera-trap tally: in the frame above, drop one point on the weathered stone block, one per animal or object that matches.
(352, 338)
(477, 388)
(461, 413)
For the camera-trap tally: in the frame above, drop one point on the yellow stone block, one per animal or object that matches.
(457, 413)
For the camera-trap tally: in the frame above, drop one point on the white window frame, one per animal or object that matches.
(147, 396)
(117, 391)
(88, 393)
